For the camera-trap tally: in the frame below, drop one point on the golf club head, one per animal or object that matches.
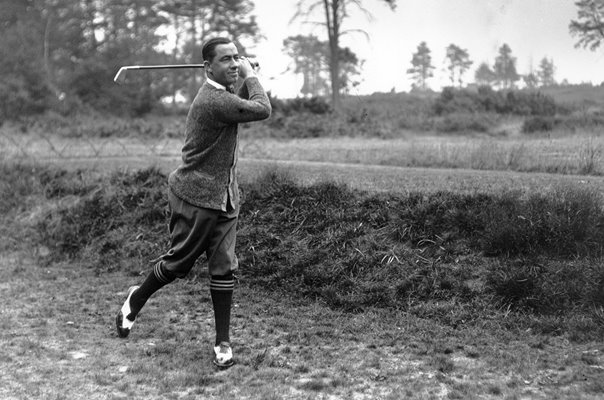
(120, 76)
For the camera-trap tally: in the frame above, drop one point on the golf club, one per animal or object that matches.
(120, 76)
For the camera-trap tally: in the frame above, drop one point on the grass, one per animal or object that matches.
(320, 353)
(579, 154)
(382, 129)
(343, 245)
(568, 154)
(392, 294)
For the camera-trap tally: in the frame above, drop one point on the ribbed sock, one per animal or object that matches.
(221, 290)
(156, 279)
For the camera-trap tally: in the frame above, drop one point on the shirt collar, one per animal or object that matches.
(216, 84)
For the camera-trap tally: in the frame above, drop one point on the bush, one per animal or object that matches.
(465, 122)
(501, 102)
(109, 220)
(17, 183)
(530, 103)
(301, 126)
(567, 122)
(354, 250)
(538, 124)
(547, 287)
(312, 105)
(566, 222)
(453, 100)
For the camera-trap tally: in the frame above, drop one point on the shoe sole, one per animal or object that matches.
(225, 365)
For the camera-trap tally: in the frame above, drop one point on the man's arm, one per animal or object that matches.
(251, 102)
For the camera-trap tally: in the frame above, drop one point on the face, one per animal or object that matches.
(224, 67)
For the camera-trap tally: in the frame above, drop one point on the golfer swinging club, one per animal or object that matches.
(203, 195)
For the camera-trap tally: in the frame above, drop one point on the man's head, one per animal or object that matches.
(221, 60)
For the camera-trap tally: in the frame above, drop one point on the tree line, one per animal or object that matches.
(503, 74)
(62, 54)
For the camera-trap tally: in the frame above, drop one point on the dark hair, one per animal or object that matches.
(208, 51)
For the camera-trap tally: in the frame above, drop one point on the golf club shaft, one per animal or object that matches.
(173, 66)
(120, 73)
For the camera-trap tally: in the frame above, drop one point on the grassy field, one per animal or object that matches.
(65, 269)
(579, 153)
(575, 154)
(380, 261)
(398, 129)
(58, 342)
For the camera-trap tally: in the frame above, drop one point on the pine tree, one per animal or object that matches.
(505, 68)
(459, 63)
(422, 68)
(484, 75)
(589, 25)
(546, 72)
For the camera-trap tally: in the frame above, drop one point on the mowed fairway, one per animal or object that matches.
(58, 341)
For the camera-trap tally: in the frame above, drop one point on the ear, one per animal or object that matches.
(206, 66)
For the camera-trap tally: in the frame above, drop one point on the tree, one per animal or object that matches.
(505, 68)
(197, 19)
(484, 75)
(349, 69)
(310, 59)
(589, 25)
(546, 72)
(531, 80)
(459, 62)
(421, 67)
(23, 87)
(52, 50)
(335, 12)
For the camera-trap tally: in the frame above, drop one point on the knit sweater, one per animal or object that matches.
(207, 176)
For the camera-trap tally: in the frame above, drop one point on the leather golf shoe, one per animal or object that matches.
(122, 322)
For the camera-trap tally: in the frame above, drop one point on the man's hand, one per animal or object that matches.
(246, 68)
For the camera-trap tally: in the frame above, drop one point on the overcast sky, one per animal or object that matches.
(532, 28)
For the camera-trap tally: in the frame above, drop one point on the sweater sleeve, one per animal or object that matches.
(237, 108)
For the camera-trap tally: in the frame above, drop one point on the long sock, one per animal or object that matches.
(156, 279)
(221, 290)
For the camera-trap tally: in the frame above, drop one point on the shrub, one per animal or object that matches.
(108, 220)
(547, 286)
(565, 222)
(301, 126)
(465, 122)
(354, 250)
(529, 103)
(312, 105)
(582, 121)
(538, 124)
(501, 102)
(453, 100)
(17, 183)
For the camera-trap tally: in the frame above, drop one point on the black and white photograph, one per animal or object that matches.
(301, 199)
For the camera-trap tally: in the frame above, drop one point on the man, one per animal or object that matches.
(204, 196)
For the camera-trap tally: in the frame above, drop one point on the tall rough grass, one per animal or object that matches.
(448, 256)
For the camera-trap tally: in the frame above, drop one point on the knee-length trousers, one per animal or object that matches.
(195, 231)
